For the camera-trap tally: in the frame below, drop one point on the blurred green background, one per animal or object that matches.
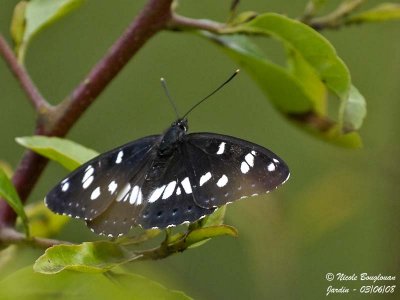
(339, 212)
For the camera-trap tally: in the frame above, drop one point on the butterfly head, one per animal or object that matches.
(181, 124)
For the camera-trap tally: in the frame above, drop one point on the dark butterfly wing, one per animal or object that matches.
(133, 185)
(163, 198)
(224, 168)
(89, 190)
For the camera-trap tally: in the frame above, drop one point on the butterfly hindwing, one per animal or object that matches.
(223, 168)
(90, 189)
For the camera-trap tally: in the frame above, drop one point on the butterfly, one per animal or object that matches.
(165, 180)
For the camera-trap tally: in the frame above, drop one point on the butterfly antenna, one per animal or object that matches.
(164, 84)
(213, 92)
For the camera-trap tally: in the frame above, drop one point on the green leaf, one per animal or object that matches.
(353, 111)
(309, 80)
(10, 195)
(39, 14)
(197, 237)
(216, 218)
(69, 154)
(74, 285)
(92, 257)
(43, 222)
(380, 13)
(315, 49)
(280, 86)
(17, 27)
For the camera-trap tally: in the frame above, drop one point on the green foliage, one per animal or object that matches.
(380, 13)
(89, 257)
(8, 192)
(69, 154)
(74, 285)
(43, 222)
(299, 90)
(31, 17)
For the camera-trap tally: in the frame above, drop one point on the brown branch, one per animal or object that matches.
(58, 122)
(152, 19)
(38, 102)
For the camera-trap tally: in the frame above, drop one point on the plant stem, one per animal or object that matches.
(336, 18)
(11, 236)
(38, 102)
(178, 22)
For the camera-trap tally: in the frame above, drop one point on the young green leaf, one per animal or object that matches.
(380, 13)
(216, 218)
(353, 111)
(281, 87)
(73, 285)
(197, 237)
(69, 154)
(10, 195)
(38, 15)
(315, 49)
(18, 24)
(92, 257)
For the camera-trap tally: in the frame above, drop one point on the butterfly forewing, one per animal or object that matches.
(224, 168)
(89, 190)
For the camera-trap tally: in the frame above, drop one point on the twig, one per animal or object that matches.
(336, 18)
(38, 102)
(178, 22)
(11, 236)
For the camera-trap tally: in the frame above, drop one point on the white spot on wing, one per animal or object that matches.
(271, 167)
(222, 181)
(88, 182)
(139, 198)
(221, 148)
(178, 191)
(134, 194)
(244, 167)
(169, 190)
(119, 157)
(112, 187)
(186, 185)
(206, 177)
(275, 160)
(65, 186)
(156, 194)
(123, 193)
(249, 159)
(253, 152)
(95, 194)
(88, 172)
